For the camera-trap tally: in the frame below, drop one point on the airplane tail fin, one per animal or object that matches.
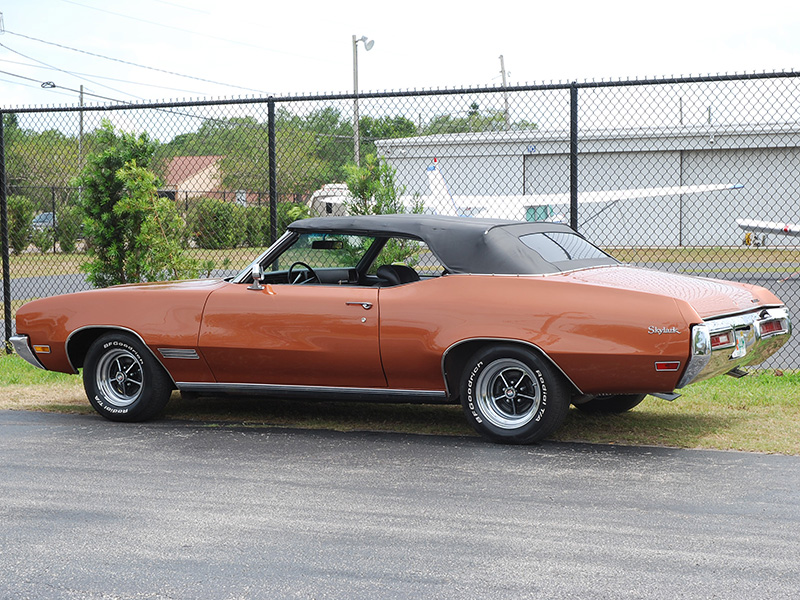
(439, 195)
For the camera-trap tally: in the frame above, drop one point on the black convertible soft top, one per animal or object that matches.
(463, 245)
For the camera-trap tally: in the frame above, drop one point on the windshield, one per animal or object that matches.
(326, 250)
(338, 257)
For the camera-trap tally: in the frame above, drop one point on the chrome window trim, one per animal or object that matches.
(277, 248)
(551, 274)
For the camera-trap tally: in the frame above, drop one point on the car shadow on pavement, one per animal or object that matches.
(641, 426)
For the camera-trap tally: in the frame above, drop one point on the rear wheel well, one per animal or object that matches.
(457, 356)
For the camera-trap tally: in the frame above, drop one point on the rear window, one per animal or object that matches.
(557, 247)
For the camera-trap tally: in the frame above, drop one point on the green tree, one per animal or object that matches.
(299, 170)
(68, 228)
(373, 188)
(475, 120)
(131, 234)
(332, 139)
(379, 128)
(43, 239)
(216, 224)
(20, 216)
(153, 242)
(40, 159)
(375, 192)
(311, 149)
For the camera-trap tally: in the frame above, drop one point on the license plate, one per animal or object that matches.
(741, 344)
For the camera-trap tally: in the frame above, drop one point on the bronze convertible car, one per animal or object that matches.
(514, 320)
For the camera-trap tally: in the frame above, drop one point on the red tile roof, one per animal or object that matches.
(181, 168)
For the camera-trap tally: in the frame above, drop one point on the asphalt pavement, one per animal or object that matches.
(92, 509)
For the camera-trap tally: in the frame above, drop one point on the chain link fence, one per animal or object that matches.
(693, 175)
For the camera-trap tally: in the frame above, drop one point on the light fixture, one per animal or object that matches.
(368, 44)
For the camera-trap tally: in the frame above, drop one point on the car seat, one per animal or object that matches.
(397, 274)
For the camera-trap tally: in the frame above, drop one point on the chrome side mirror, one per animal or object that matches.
(256, 273)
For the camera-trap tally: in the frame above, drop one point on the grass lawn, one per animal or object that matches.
(738, 256)
(759, 413)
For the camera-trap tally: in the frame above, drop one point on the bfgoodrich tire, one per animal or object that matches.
(510, 395)
(610, 405)
(123, 380)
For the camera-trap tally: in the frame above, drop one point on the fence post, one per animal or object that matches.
(55, 221)
(573, 156)
(273, 174)
(4, 235)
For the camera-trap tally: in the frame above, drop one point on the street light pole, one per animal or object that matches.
(356, 136)
(505, 91)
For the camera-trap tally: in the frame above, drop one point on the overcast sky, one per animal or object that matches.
(237, 48)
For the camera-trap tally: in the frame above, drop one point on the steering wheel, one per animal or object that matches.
(299, 279)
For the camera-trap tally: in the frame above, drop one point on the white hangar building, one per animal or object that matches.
(765, 159)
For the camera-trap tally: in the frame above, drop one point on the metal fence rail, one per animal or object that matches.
(627, 163)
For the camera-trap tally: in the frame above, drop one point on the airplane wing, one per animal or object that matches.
(754, 226)
(593, 197)
(602, 196)
(439, 196)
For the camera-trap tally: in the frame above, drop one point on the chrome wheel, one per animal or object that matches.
(119, 377)
(123, 379)
(508, 393)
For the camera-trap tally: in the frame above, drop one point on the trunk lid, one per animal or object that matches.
(709, 297)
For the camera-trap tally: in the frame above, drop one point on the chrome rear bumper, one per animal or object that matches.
(721, 345)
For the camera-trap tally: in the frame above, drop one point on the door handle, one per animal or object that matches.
(364, 305)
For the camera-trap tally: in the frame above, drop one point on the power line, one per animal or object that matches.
(182, 6)
(67, 72)
(181, 29)
(153, 85)
(119, 60)
(20, 76)
(50, 85)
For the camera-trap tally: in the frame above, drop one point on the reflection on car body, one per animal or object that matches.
(514, 320)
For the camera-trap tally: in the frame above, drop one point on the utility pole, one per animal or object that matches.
(356, 135)
(80, 131)
(505, 93)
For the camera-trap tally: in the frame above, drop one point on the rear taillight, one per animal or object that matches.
(723, 339)
(771, 326)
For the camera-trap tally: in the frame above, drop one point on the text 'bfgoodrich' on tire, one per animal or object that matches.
(123, 380)
(512, 395)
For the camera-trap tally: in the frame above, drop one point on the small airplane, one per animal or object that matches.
(523, 207)
(332, 199)
(756, 231)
